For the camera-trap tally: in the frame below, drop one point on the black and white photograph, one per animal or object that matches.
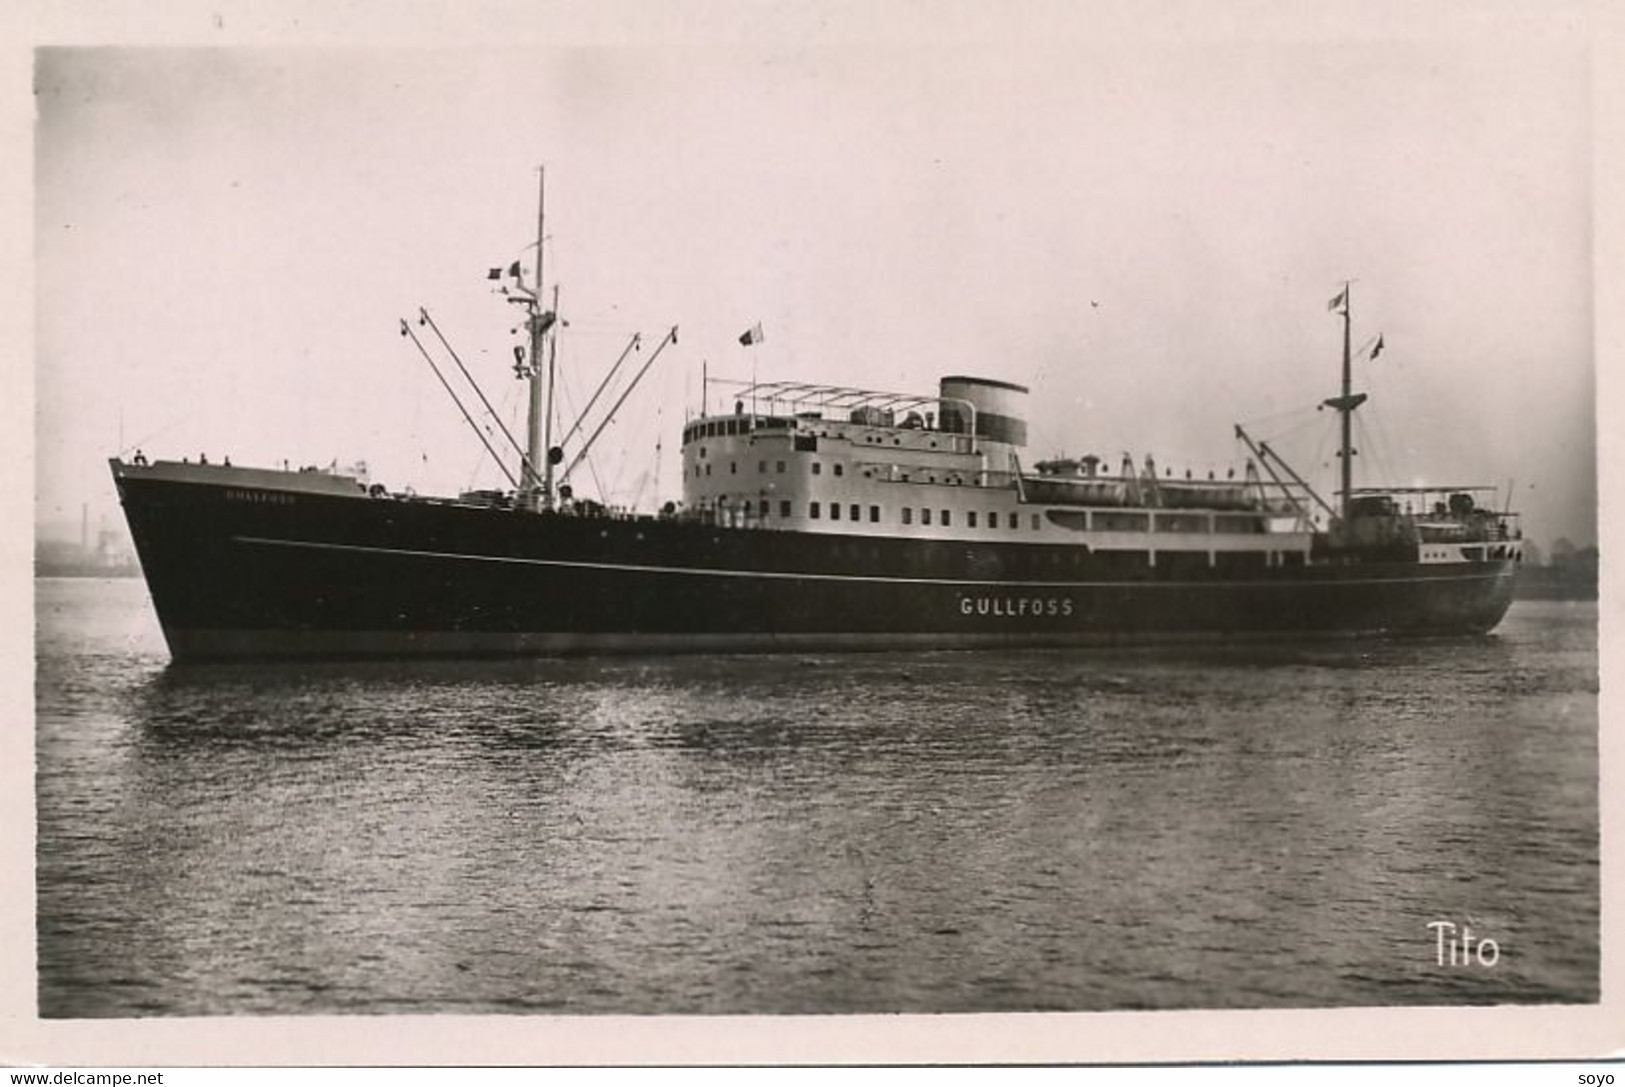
(791, 513)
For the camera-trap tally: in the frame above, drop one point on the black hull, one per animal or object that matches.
(236, 574)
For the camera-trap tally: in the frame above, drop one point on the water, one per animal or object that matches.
(924, 832)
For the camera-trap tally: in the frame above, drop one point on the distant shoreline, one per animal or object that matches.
(47, 572)
(1557, 583)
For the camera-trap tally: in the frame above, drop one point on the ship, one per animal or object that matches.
(812, 517)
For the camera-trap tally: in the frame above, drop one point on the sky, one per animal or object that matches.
(1144, 228)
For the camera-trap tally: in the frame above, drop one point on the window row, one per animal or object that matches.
(816, 510)
(854, 512)
(1011, 520)
(761, 468)
(907, 514)
(742, 424)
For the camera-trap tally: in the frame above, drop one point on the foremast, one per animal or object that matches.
(541, 485)
(536, 488)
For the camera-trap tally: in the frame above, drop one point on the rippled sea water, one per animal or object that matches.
(991, 831)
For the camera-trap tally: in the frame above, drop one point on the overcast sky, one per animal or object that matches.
(1143, 229)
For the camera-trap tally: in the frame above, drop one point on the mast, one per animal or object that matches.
(1346, 408)
(547, 423)
(538, 492)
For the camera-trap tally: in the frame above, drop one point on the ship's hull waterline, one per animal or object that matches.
(245, 572)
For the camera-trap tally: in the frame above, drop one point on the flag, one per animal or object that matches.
(1341, 297)
(494, 273)
(751, 335)
(1376, 348)
(513, 269)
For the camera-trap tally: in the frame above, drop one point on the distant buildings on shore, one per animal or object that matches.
(67, 560)
(98, 552)
(1568, 573)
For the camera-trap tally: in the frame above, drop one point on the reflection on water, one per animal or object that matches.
(1262, 827)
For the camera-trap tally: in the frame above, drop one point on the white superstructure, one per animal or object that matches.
(865, 464)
